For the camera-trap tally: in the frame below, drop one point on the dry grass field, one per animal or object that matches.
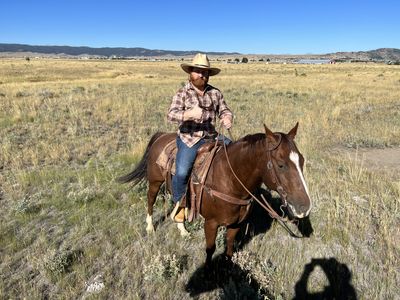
(68, 128)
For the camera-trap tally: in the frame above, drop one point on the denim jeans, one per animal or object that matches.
(184, 161)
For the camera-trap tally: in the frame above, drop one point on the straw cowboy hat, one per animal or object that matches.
(200, 61)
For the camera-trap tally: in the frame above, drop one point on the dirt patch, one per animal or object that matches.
(387, 159)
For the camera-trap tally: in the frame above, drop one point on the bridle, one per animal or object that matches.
(279, 188)
(270, 166)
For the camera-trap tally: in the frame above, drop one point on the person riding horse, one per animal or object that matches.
(195, 108)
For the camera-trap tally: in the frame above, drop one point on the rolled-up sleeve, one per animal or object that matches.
(223, 108)
(175, 112)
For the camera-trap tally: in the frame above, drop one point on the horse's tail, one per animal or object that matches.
(140, 172)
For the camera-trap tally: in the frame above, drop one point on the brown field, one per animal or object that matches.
(68, 128)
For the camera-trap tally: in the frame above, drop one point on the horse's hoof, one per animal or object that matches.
(150, 230)
(208, 267)
(182, 230)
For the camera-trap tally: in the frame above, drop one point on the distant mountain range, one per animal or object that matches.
(106, 51)
(383, 54)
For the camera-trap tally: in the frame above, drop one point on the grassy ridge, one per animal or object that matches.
(69, 128)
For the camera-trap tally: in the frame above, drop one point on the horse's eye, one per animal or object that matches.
(281, 166)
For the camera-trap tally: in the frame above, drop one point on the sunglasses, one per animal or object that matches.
(201, 71)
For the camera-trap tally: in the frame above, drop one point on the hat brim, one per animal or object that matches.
(212, 71)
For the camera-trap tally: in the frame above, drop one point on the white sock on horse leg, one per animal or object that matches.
(149, 221)
(182, 229)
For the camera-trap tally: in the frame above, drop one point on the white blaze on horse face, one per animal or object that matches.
(294, 157)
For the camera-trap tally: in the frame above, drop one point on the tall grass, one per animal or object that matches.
(68, 230)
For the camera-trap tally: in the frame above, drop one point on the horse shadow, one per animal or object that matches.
(260, 222)
(235, 282)
(338, 275)
(223, 274)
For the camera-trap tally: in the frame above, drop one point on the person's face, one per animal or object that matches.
(199, 77)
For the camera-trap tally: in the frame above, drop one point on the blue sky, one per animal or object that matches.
(248, 27)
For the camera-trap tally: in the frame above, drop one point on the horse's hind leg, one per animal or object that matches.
(154, 188)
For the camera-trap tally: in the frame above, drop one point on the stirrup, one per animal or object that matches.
(178, 213)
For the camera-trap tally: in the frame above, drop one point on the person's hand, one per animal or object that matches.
(194, 113)
(226, 121)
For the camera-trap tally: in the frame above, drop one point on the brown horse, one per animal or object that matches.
(270, 158)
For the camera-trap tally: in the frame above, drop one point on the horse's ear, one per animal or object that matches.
(293, 131)
(269, 134)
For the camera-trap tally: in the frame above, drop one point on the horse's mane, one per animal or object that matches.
(250, 142)
(252, 139)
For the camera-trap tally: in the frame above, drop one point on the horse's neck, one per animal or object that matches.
(244, 160)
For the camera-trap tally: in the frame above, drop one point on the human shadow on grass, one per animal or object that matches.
(260, 222)
(234, 282)
(338, 275)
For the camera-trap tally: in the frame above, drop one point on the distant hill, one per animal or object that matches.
(106, 51)
(382, 54)
(12, 50)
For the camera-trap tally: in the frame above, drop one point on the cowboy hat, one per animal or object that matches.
(200, 61)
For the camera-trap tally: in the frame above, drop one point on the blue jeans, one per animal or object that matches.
(184, 161)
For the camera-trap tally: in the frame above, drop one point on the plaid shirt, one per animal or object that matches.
(212, 103)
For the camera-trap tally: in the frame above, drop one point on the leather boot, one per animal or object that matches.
(178, 213)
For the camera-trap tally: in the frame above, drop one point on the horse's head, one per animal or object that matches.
(284, 171)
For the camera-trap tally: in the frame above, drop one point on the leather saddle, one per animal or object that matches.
(204, 158)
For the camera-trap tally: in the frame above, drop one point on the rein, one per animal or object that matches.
(264, 204)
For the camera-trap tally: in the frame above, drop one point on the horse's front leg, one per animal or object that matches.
(230, 239)
(210, 230)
